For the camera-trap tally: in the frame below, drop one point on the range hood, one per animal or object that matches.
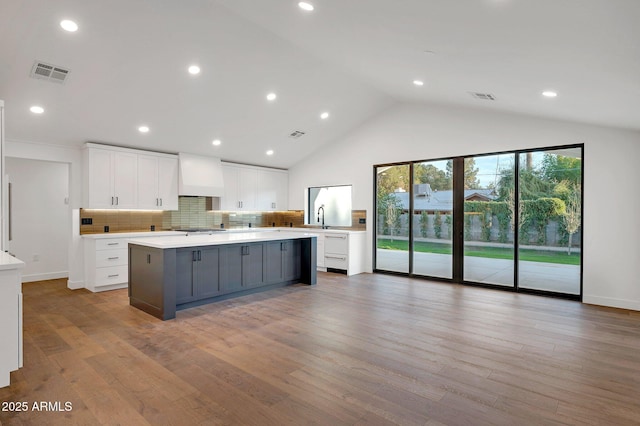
(200, 176)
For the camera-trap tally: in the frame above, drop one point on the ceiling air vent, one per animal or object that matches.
(483, 96)
(296, 134)
(49, 72)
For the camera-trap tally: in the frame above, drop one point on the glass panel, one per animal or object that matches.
(488, 229)
(549, 244)
(432, 219)
(392, 213)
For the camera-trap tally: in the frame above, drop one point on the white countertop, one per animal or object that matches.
(220, 238)
(133, 234)
(156, 234)
(9, 262)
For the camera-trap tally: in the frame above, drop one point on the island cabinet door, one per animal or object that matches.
(274, 261)
(185, 275)
(207, 273)
(231, 268)
(253, 265)
(292, 256)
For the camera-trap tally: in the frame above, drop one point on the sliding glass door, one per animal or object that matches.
(488, 236)
(392, 218)
(509, 220)
(549, 246)
(433, 218)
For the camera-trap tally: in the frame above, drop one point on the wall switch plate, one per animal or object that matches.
(106, 228)
(362, 220)
(86, 221)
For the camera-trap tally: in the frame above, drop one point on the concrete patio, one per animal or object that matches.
(532, 275)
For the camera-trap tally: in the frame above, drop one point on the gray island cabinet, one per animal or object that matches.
(180, 272)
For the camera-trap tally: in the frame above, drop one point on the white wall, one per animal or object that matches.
(413, 132)
(72, 157)
(40, 217)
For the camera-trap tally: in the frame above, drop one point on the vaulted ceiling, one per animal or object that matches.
(351, 58)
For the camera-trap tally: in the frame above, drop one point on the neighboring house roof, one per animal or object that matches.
(442, 200)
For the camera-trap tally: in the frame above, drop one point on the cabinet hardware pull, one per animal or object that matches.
(199, 255)
(113, 276)
(333, 236)
(336, 257)
(148, 258)
(117, 202)
(157, 203)
(114, 258)
(112, 201)
(194, 256)
(113, 244)
(160, 202)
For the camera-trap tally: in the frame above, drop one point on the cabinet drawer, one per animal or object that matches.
(336, 243)
(117, 257)
(112, 275)
(111, 243)
(337, 261)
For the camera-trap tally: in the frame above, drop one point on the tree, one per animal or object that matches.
(470, 173)
(573, 212)
(436, 178)
(391, 179)
(557, 168)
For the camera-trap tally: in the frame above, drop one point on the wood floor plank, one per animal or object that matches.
(362, 350)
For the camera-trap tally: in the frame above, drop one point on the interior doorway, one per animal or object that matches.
(39, 217)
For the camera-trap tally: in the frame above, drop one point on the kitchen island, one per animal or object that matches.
(178, 272)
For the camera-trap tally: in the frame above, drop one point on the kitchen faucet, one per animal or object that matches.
(321, 208)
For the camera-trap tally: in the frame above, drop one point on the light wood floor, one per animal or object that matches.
(368, 349)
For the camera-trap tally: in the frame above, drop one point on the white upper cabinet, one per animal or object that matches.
(254, 188)
(157, 182)
(240, 187)
(121, 178)
(112, 179)
(273, 188)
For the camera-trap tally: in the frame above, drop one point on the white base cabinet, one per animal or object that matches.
(11, 316)
(106, 259)
(343, 250)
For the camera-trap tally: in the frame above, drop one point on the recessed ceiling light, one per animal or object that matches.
(194, 69)
(143, 129)
(270, 152)
(271, 97)
(216, 142)
(549, 94)
(305, 6)
(36, 109)
(418, 82)
(324, 115)
(69, 25)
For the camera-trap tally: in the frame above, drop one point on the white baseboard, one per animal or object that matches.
(46, 276)
(75, 285)
(633, 305)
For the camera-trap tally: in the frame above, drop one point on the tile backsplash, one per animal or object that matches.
(194, 212)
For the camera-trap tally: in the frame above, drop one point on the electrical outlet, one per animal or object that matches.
(86, 221)
(362, 221)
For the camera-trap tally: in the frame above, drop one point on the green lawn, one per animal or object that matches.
(560, 257)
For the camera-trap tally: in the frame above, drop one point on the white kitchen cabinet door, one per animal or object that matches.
(230, 177)
(157, 182)
(148, 175)
(248, 189)
(125, 180)
(273, 188)
(100, 185)
(168, 183)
